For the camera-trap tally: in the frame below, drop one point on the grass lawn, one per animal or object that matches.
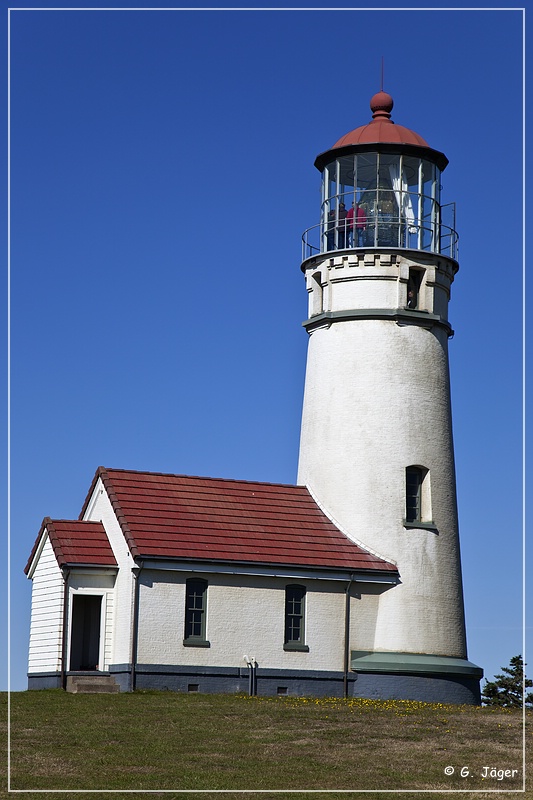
(171, 741)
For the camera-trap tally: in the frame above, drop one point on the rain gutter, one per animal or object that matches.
(347, 635)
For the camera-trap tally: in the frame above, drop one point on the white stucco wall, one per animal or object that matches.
(46, 629)
(245, 616)
(377, 399)
(364, 607)
(119, 648)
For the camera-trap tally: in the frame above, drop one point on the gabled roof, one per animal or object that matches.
(75, 542)
(189, 518)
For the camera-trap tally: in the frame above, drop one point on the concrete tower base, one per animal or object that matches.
(405, 676)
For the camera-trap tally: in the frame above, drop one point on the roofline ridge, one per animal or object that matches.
(99, 471)
(36, 545)
(349, 536)
(200, 477)
(102, 473)
(83, 521)
(54, 540)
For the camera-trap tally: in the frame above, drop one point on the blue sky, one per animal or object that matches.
(161, 178)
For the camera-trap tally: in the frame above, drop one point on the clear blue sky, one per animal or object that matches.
(162, 174)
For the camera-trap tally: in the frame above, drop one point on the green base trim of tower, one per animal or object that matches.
(412, 663)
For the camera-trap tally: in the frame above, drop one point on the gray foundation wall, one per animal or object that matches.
(44, 680)
(455, 689)
(237, 680)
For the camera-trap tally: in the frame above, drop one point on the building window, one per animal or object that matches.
(195, 613)
(417, 498)
(295, 618)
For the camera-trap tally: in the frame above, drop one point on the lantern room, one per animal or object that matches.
(381, 188)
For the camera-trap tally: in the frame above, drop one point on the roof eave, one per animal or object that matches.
(35, 552)
(90, 565)
(419, 151)
(368, 573)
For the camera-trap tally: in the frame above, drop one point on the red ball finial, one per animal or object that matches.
(381, 105)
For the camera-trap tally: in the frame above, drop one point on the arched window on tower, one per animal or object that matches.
(417, 496)
(317, 294)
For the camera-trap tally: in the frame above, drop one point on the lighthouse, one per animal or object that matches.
(345, 585)
(376, 448)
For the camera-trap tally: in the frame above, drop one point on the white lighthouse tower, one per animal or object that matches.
(376, 446)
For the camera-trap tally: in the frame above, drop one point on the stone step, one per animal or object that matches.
(91, 684)
(94, 688)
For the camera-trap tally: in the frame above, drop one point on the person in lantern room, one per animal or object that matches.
(331, 230)
(356, 215)
(342, 226)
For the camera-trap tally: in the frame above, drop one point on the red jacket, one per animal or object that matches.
(360, 220)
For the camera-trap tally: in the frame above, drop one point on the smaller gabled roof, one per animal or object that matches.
(75, 542)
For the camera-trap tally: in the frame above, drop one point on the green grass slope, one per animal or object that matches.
(183, 743)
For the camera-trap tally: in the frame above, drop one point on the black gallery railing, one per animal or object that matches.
(378, 222)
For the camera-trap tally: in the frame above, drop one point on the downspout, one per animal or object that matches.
(347, 635)
(250, 677)
(254, 674)
(66, 574)
(251, 663)
(136, 571)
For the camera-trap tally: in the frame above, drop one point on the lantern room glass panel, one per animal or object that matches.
(429, 211)
(399, 195)
(411, 169)
(389, 200)
(367, 181)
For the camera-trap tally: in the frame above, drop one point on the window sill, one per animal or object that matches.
(426, 526)
(297, 646)
(196, 643)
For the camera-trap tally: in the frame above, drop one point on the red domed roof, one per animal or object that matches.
(381, 128)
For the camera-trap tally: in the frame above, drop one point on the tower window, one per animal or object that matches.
(413, 494)
(317, 294)
(418, 497)
(413, 287)
(295, 618)
(195, 613)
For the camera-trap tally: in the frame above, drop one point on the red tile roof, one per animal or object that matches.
(190, 518)
(76, 542)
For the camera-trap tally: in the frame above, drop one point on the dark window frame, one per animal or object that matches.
(418, 499)
(414, 478)
(414, 286)
(195, 613)
(295, 612)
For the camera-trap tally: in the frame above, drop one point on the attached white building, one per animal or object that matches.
(348, 583)
(185, 583)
